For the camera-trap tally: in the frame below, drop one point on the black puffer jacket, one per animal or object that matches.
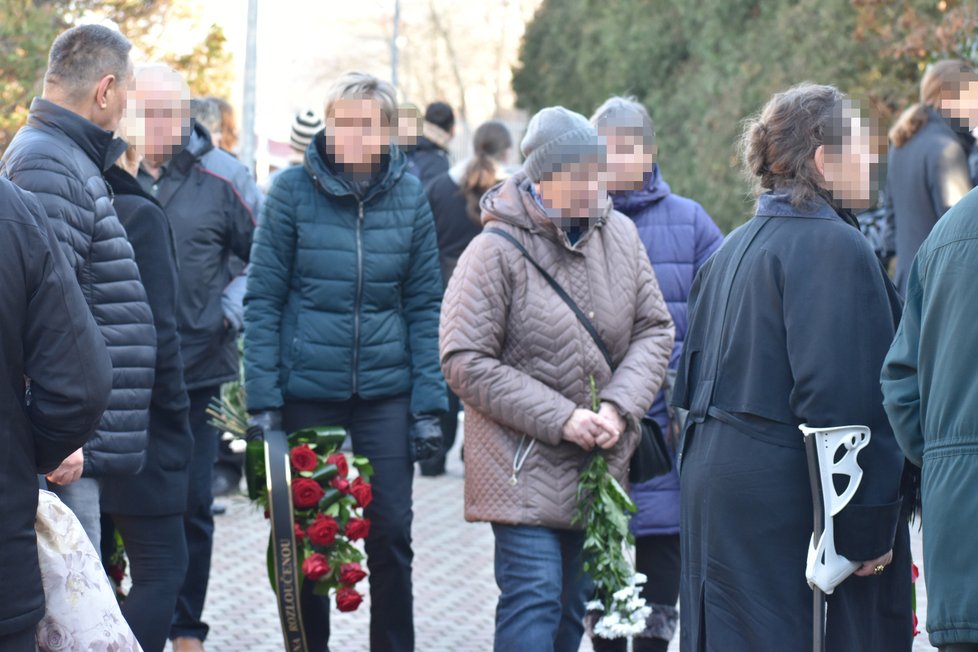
(60, 157)
(211, 221)
(161, 487)
(47, 334)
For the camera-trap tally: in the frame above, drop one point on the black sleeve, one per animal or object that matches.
(840, 314)
(64, 352)
(152, 243)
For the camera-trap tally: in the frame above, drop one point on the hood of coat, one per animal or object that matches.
(777, 203)
(326, 176)
(512, 202)
(633, 201)
(433, 137)
(101, 146)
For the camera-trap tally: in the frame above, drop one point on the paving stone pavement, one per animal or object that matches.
(454, 590)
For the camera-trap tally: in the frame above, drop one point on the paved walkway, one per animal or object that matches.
(454, 588)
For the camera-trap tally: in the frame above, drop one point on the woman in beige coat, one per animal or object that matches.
(520, 360)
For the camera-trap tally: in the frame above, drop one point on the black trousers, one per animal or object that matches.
(379, 431)
(23, 641)
(157, 550)
(198, 522)
(656, 557)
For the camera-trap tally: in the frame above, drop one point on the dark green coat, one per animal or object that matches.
(930, 392)
(344, 293)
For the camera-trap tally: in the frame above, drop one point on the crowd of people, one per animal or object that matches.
(380, 287)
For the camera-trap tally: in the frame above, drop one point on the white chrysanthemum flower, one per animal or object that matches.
(227, 436)
(238, 445)
(639, 579)
(594, 605)
(622, 595)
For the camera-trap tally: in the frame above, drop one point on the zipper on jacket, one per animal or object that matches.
(359, 297)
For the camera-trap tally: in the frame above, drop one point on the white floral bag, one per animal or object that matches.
(81, 610)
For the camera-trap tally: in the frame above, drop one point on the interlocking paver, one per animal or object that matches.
(454, 589)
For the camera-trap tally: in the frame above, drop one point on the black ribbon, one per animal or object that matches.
(279, 483)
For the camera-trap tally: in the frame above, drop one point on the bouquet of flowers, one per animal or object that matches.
(329, 493)
(604, 507)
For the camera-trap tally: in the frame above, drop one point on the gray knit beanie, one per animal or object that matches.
(556, 137)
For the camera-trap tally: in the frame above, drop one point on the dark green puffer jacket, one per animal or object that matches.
(344, 293)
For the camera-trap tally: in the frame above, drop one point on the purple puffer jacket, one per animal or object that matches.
(680, 237)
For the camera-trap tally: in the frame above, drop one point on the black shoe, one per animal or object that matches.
(433, 468)
(218, 509)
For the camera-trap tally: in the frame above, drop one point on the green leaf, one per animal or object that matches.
(326, 438)
(325, 473)
(330, 497)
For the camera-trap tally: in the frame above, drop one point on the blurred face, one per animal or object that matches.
(849, 169)
(408, 126)
(357, 133)
(158, 117)
(961, 102)
(575, 192)
(628, 159)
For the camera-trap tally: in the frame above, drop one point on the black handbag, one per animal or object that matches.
(652, 458)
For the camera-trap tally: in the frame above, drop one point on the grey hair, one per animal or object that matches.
(205, 111)
(364, 86)
(627, 113)
(82, 56)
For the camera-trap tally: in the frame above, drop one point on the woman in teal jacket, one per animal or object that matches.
(341, 327)
(930, 392)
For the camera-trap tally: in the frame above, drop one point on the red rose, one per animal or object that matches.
(304, 458)
(914, 572)
(340, 484)
(306, 493)
(350, 574)
(267, 514)
(347, 599)
(299, 534)
(339, 459)
(357, 528)
(118, 573)
(323, 530)
(362, 491)
(315, 567)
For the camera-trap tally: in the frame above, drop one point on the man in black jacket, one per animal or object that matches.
(57, 377)
(60, 156)
(211, 221)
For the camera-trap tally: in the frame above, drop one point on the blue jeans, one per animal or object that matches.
(543, 589)
(82, 498)
(198, 522)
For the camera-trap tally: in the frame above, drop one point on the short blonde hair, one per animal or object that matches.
(363, 86)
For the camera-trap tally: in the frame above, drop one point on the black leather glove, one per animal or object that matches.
(426, 439)
(261, 422)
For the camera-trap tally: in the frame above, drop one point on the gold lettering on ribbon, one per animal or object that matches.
(287, 587)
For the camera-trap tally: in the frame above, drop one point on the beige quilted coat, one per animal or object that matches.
(520, 360)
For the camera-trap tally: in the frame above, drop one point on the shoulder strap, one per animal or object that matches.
(588, 326)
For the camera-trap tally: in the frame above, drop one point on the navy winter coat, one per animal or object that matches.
(679, 237)
(344, 293)
(47, 334)
(160, 488)
(60, 157)
(211, 223)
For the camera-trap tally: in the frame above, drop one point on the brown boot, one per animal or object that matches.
(186, 644)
